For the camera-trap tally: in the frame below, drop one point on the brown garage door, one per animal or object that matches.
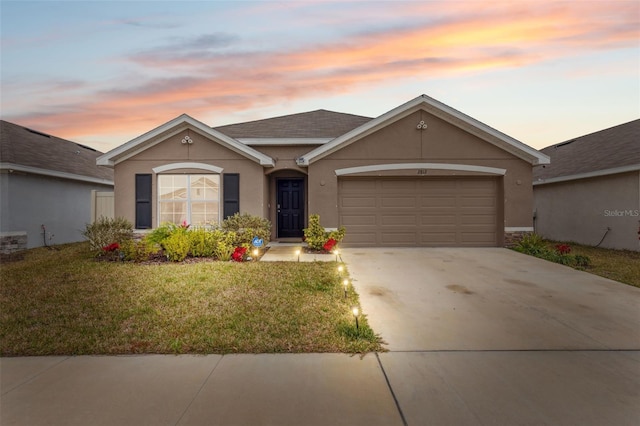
(419, 212)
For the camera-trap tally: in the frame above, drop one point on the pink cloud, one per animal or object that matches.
(463, 39)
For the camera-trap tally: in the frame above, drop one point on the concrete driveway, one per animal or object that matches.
(491, 336)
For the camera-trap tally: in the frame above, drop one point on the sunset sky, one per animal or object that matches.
(102, 73)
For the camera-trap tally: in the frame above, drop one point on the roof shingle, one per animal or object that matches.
(610, 148)
(22, 146)
(314, 124)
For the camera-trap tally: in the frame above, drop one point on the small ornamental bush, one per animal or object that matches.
(203, 242)
(177, 246)
(106, 231)
(139, 251)
(535, 245)
(226, 246)
(317, 238)
(532, 244)
(247, 227)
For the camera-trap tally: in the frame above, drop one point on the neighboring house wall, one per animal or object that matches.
(63, 206)
(582, 210)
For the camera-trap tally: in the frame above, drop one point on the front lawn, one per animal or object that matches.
(64, 302)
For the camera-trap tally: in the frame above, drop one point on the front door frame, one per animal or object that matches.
(302, 208)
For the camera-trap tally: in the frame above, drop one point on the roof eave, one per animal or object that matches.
(597, 173)
(118, 154)
(440, 110)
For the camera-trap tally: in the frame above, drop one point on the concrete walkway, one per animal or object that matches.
(483, 336)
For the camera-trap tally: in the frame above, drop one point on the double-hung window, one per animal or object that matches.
(194, 199)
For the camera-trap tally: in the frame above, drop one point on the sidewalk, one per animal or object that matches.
(283, 389)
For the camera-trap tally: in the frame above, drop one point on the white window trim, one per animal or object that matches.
(176, 166)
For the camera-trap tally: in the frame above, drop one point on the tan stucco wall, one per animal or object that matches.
(441, 142)
(582, 210)
(253, 187)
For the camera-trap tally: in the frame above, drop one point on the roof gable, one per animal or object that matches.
(612, 150)
(439, 110)
(32, 151)
(306, 125)
(173, 127)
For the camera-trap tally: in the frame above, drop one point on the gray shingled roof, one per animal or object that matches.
(611, 148)
(314, 124)
(25, 147)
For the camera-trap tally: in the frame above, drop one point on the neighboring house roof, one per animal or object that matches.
(609, 151)
(26, 150)
(440, 110)
(173, 127)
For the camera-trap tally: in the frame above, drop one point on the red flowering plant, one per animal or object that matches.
(111, 247)
(111, 251)
(330, 244)
(563, 249)
(239, 254)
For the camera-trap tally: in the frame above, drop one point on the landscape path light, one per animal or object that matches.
(340, 269)
(355, 315)
(346, 284)
(298, 254)
(256, 253)
(337, 253)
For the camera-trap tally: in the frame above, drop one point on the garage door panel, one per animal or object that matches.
(476, 219)
(396, 238)
(357, 186)
(398, 202)
(419, 212)
(398, 220)
(391, 186)
(437, 201)
(359, 220)
(363, 239)
(357, 201)
(442, 218)
(477, 202)
(437, 238)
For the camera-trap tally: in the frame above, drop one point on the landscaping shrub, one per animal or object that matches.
(535, 245)
(177, 246)
(202, 242)
(317, 238)
(226, 246)
(139, 251)
(246, 227)
(532, 244)
(106, 231)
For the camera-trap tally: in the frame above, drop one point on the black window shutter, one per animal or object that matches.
(143, 201)
(231, 194)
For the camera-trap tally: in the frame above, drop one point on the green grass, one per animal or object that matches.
(64, 302)
(618, 265)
